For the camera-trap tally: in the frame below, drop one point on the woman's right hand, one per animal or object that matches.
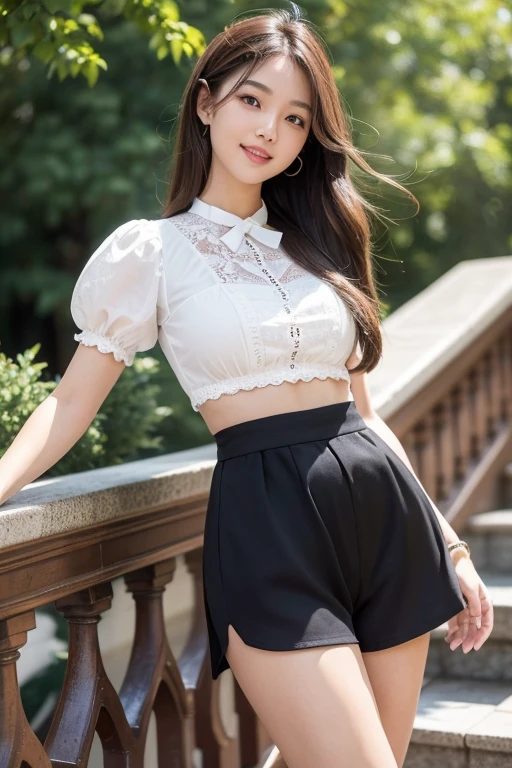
(472, 626)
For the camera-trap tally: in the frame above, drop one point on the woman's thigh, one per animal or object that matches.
(396, 675)
(317, 704)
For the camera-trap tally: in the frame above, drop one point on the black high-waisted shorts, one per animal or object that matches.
(316, 534)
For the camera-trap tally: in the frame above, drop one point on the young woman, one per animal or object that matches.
(326, 564)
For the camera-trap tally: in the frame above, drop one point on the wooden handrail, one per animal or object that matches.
(457, 429)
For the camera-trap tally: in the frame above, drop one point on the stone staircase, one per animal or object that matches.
(464, 717)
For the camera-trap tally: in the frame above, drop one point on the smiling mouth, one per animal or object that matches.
(257, 153)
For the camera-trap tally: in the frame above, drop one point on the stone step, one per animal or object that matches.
(489, 535)
(493, 661)
(462, 724)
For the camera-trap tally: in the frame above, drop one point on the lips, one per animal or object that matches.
(254, 156)
(257, 151)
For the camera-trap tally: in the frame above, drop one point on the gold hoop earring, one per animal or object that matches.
(296, 172)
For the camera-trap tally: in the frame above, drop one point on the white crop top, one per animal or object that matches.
(230, 309)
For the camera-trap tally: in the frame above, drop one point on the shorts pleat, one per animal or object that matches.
(319, 540)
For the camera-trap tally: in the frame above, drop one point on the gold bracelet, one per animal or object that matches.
(460, 544)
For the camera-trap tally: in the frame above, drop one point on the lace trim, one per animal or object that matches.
(231, 267)
(251, 381)
(105, 344)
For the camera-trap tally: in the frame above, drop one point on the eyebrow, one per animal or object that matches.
(265, 88)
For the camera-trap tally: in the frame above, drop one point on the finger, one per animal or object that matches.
(480, 638)
(463, 621)
(471, 633)
(453, 625)
(487, 618)
(473, 620)
(486, 605)
(452, 632)
(459, 634)
(475, 606)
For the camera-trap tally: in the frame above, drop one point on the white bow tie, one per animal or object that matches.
(252, 225)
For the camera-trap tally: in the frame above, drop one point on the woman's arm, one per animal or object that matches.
(359, 388)
(60, 420)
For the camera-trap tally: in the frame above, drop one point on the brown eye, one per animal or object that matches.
(301, 121)
(248, 97)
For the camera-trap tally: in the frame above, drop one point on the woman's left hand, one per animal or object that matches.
(473, 625)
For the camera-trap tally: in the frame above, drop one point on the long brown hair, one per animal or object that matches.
(326, 222)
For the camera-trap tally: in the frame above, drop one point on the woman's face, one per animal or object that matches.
(271, 112)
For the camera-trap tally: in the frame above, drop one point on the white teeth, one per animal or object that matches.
(257, 153)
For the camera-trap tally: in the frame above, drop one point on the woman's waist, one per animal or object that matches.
(289, 427)
(271, 400)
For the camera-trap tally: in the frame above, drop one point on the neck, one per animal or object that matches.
(225, 192)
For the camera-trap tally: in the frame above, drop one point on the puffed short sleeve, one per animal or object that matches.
(115, 299)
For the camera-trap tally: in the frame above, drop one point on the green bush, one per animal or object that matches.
(124, 429)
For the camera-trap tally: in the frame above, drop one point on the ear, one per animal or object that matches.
(203, 106)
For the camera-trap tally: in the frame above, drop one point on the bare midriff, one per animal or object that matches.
(272, 399)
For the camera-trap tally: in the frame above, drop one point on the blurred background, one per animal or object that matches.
(89, 94)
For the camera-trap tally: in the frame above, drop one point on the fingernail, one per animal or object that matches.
(479, 623)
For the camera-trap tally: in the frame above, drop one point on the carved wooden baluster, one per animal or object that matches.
(456, 407)
(485, 384)
(464, 426)
(505, 366)
(413, 443)
(453, 443)
(494, 389)
(490, 405)
(429, 456)
(254, 737)
(422, 454)
(482, 409)
(478, 410)
(412, 448)
(153, 681)
(220, 750)
(88, 701)
(508, 369)
(449, 442)
(503, 395)
(472, 385)
(19, 746)
(443, 459)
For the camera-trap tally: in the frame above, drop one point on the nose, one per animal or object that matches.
(269, 129)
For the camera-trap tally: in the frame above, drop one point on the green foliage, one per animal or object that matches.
(62, 35)
(123, 430)
(21, 391)
(131, 416)
(74, 162)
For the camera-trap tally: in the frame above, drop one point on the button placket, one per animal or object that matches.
(285, 297)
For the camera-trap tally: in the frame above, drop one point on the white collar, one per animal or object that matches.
(252, 225)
